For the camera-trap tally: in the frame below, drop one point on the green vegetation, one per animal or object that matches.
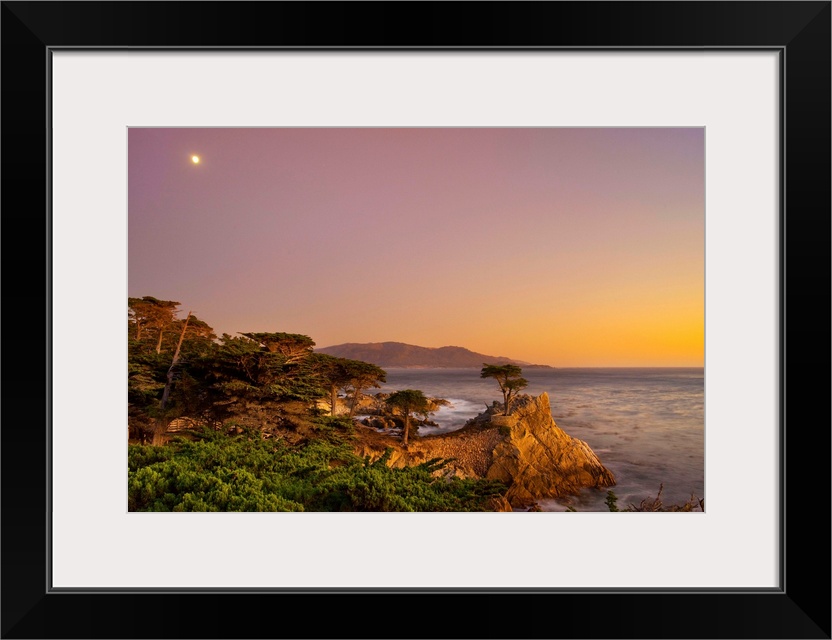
(180, 368)
(508, 376)
(408, 402)
(218, 472)
(293, 347)
(362, 375)
(151, 315)
(255, 438)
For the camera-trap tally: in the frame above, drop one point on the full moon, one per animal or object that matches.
(195, 159)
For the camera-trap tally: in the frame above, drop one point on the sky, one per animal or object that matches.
(561, 246)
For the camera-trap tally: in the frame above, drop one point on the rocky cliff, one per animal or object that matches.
(526, 450)
(538, 459)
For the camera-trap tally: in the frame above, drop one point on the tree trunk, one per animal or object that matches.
(406, 427)
(159, 428)
(505, 401)
(159, 343)
(333, 398)
(166, 392)
(355, 395)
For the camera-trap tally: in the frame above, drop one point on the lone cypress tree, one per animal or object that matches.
(509, 378)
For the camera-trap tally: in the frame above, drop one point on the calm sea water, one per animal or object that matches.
(646, 425)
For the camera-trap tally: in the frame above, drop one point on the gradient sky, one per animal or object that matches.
(567, 247)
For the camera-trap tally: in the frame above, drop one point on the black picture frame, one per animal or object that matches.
(799, 31)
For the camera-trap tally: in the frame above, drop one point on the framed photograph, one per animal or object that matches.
(725, 105)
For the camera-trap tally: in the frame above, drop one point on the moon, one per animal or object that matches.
(195, 159)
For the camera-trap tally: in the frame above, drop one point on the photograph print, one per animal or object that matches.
(416, 319)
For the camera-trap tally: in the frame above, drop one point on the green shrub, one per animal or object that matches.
(218, 472)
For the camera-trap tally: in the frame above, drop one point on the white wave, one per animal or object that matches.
(454, 416)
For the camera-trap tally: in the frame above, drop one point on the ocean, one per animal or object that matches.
(646, 425)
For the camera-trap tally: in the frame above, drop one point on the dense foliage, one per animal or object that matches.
(180, 368)
(218, 472)
(252, 436)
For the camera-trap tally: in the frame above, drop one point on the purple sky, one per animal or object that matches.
(569, 247)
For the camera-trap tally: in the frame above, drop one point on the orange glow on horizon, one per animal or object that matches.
(568, 247)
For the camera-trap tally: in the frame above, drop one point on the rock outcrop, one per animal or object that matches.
(527, 450)
(538, 459)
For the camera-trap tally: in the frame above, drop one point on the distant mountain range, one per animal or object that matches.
(398, 354)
